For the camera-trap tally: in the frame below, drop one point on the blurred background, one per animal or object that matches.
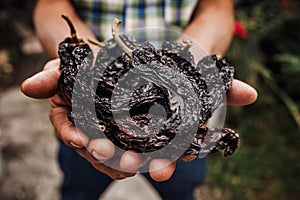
(266, 53)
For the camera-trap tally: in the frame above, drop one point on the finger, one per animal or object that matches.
(43, 84)
(130, 161)
(241, 94)
(102, 149)
(65, 130)
(112, 173)
(161, 169)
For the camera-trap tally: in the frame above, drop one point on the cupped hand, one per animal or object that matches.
(44, 85)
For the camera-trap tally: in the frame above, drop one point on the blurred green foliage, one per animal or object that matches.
(267, 164)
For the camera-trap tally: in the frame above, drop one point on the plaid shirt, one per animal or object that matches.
(99, 14)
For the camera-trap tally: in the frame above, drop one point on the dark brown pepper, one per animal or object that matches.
(120, 57)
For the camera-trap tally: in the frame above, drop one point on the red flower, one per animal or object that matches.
(240, 30)
(285, 3)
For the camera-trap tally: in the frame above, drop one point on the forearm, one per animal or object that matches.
(51, 29)
(212, 26)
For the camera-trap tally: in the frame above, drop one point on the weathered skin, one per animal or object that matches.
(96, 85)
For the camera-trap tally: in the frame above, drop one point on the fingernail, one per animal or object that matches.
(98, 156)
(72, 144)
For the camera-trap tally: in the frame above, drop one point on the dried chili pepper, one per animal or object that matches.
(122, 56)
(72, 51)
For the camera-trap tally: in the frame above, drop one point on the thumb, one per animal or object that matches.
(43, 84)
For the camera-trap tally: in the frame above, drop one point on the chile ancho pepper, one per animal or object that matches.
(97, 85)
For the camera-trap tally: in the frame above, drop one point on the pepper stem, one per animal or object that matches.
(117, 38)
(72, 29)
(188, 44)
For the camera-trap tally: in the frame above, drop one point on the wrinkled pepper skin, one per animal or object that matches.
(94, 82)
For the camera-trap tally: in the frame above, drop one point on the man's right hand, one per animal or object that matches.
(44, 85)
